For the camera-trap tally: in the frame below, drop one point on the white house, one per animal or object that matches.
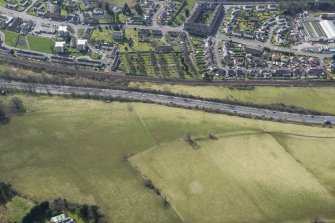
(60, 47)
(247, 8)
(12, 4)
(260, 8)
(23, 3)
(81, 44)
(62, 31)
(62, 218)
(273, 7)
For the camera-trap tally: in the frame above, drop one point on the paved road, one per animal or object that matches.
(166, 100)
(40, 20)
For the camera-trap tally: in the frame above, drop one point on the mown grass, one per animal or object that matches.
(121, 3)
(78, 150)
(35, 43)
(315, 98)
(11, 38)
(41, 44)
(18, 207)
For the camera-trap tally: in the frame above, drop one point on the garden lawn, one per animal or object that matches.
(3, 3)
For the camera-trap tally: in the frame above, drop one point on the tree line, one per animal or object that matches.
(293, 8)
(15, 106)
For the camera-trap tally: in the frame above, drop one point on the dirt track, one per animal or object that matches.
(99, 75)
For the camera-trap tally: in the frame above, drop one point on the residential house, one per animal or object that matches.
(315, 72)
(156, 32)
(60, 47)
(276, 57)
(116, 63)
(253, 74)
(38, 6)
(249, 35)
(135, 20)
(231, 73)
(63, 60)
(240, 73)
(26, 27)
(15, 25)
(97, 11)
(285, 59)
(247, 8)
(81, 44)
(75, 19)
(283, 73)
(299, 72)
(273, 7)
(4, 21)
(41, 12)
(118, 35)
(73, 42)
(266, 74)
(23, 3)
(162, 49)
(62, 218)
(253, 51)
(12, 4)
(260, 8)
(63, 31)
(236, 33)
(92, 63)
(32, 55)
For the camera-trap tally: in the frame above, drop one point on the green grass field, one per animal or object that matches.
(78, 150)
(10, 38)
(122, 2)
(242, 177)
(320, 99)
(17, 208)
(316, 154)
(41, 44)
(35, 43)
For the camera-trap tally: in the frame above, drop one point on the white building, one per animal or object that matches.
(328, 28)
(273, 7)
(260, 8)
(62, 31)
(248, 8)
(62, 218)
(12, 4)
(60, 47)
(81, 44)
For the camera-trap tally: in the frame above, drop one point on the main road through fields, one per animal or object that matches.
(165, 100)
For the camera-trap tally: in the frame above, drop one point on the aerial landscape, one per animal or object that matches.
(167, 111)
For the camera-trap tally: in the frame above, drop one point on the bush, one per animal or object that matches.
(6, 193)
(4, 118)
(16, 105)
